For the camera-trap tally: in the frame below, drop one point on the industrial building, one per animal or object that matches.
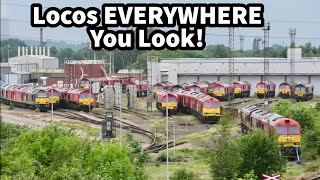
(32, 58)
(29, 60)
(15, 77)
(177, 71)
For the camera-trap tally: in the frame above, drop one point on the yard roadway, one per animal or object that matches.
(9, 118)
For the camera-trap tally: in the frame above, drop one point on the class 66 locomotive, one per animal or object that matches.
(166, 99)
(287, 130)
(25, 96)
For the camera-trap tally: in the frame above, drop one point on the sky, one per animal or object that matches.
(283, 14)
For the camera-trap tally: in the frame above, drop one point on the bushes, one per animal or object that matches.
(56, 153)
(183, 174)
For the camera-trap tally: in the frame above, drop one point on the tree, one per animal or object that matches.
(225, 158)
(260, 154)
(57, 153)
(12, 45)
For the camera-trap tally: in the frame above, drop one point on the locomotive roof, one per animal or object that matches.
(241, 82)
(271, 118)
(225, 84)
(259, 113)
(266, 82)
(305, 85)
(249, 108)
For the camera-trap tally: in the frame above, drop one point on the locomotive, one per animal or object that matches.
(25, 96)
(223, 91)
(303, 92)
(288, 130)
(162, 102)
(265, 89)
(205, 107)
(242, 89)
(286, 90)
(78, 99)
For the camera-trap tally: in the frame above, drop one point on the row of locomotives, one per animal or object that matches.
(286, 90)
(25, 96)
(242, 89)
(162, 86)
(287, 130)
(303, 92)
(78, 99)
(222, 91)
(205, 107)
(166, 99)
(266, 89)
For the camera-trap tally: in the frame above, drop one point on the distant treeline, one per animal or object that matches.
(137, 59)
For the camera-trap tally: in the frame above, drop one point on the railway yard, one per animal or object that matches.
(185, 131)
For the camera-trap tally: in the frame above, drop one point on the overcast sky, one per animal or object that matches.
(283, 14)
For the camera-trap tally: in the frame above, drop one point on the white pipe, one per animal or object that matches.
(48, 51)
(27, 49)
(19, 51)
(36, 50)
(40, 50)
(23, 51)
(44, 51)
(31, 50)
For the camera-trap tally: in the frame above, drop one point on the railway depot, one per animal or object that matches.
(177, 71)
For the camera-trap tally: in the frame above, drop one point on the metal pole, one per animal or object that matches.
(174, 139)
(167, 132)
(120, 95)
(51, 102)
(8, 52)
(110, 63)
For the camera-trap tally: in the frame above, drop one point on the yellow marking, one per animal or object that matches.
(237, 90)
(211, 111)
(300, 93)
(54, 99)
(155, 91)
(42, 100)
(219, 93)
(260, 90)
(290, 140)
(86, 101)
(171, 105)
(284, 91)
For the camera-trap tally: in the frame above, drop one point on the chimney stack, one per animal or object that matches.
(40, 50)
(44, 50)
(23, 50)
(36, 50)
(48, 53)
(19, 51)
(31, 50)
(41, 37)
(27, 51)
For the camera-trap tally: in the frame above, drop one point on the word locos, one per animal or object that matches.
(151, 15)
(142, 16)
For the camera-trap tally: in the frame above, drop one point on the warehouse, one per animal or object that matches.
(250, 69)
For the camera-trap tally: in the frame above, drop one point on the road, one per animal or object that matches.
(9, 118)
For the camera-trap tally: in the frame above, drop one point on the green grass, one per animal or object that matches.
(293, 170)
(80, 126)
(190, 159)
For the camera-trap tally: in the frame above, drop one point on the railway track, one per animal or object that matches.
(97, 119)
(142, 116)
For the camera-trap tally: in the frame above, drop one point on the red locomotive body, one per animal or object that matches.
(223, 91)
(200, 87)
(242, 89)
(162, 103)
(79, 99)
(266, 88)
